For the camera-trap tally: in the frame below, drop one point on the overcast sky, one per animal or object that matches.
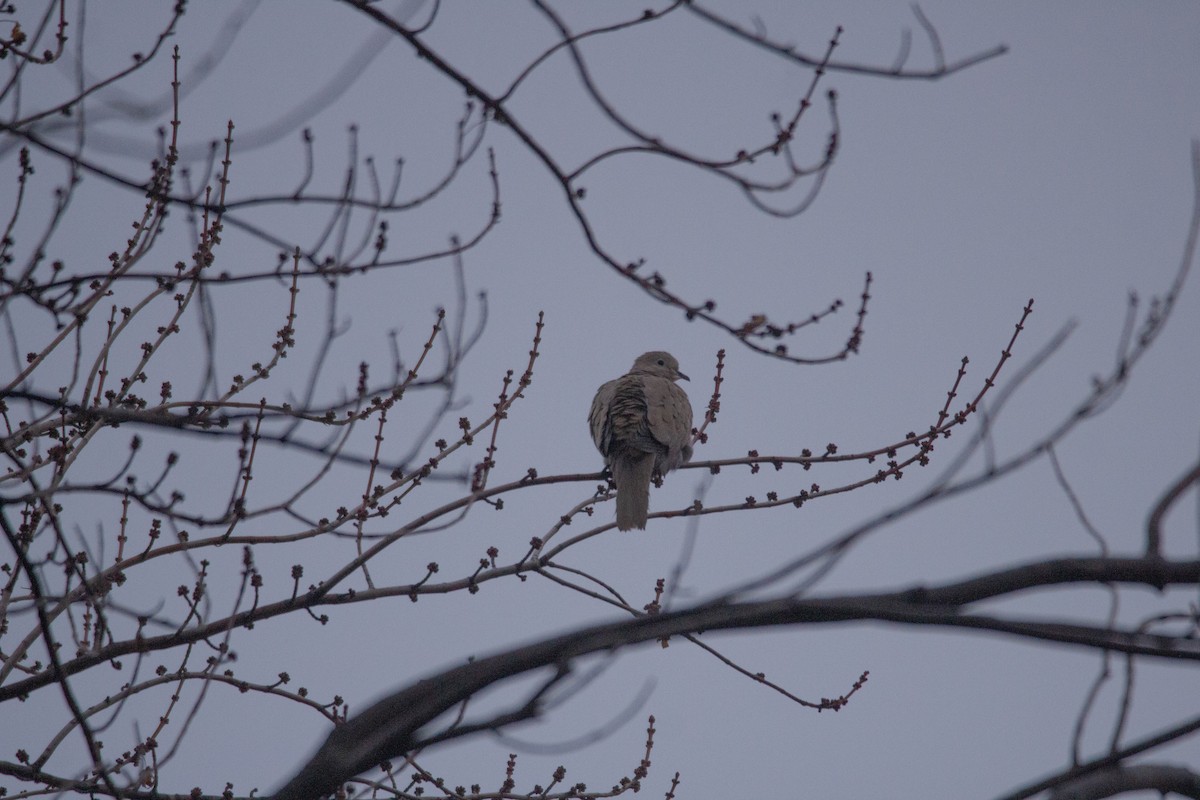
(1059, 171)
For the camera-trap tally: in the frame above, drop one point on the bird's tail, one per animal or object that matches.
(632, 477)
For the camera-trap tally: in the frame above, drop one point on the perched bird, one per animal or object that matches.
(642, 424)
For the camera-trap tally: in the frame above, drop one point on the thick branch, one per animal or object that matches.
(390, 727)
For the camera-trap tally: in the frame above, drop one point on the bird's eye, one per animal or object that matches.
(661, 363)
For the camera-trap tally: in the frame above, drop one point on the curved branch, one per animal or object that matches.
(391, 726)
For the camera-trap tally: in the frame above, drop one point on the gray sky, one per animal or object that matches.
(1059, 171)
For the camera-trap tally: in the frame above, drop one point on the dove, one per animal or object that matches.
(641, 423)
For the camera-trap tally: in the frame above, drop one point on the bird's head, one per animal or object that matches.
(660, 364)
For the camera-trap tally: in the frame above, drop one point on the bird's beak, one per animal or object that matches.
(679, 374)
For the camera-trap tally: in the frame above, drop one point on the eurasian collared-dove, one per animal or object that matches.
(642, 424)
